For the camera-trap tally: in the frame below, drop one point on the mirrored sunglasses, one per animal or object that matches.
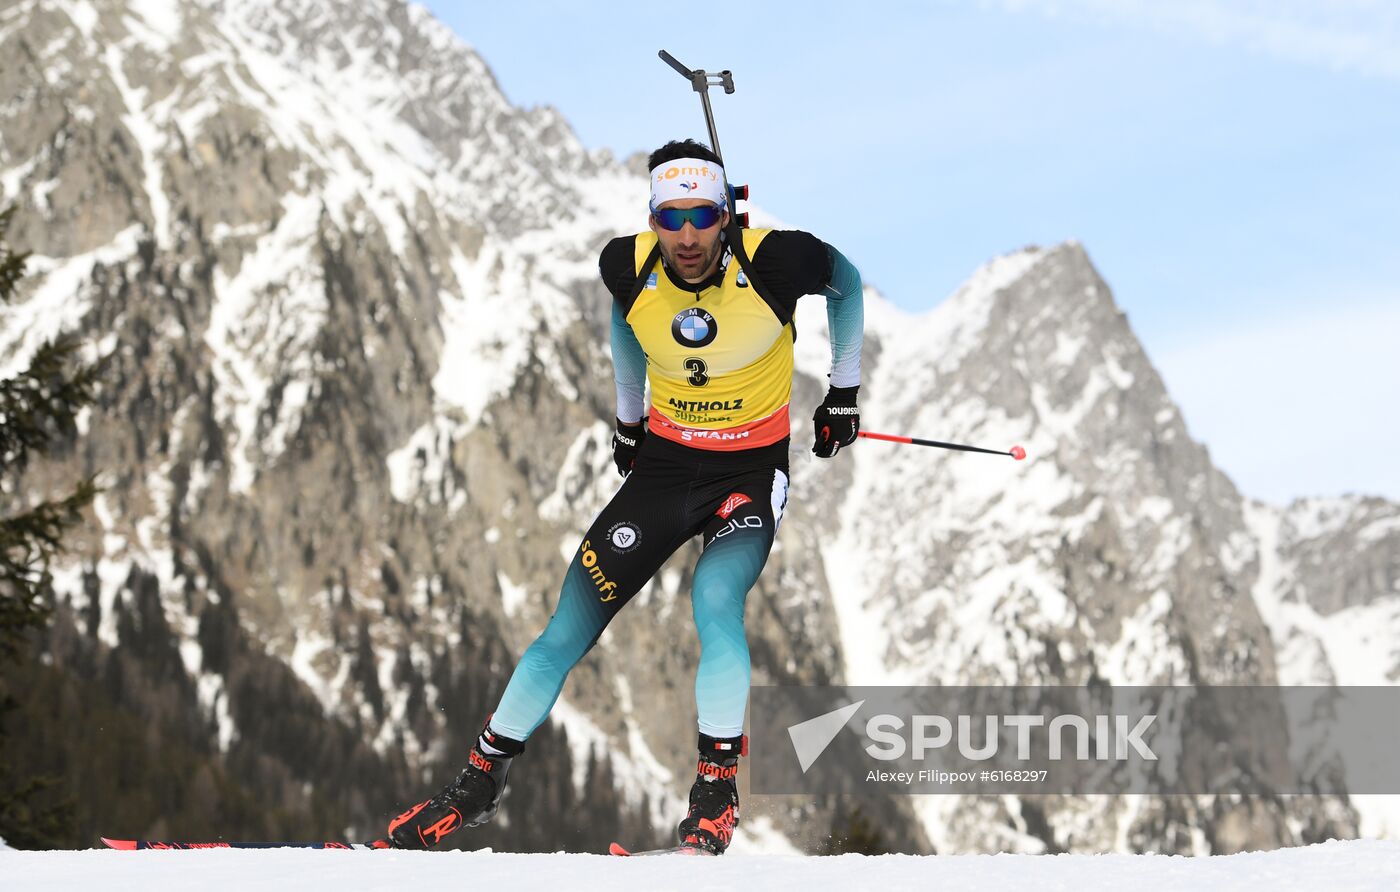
(674, 219)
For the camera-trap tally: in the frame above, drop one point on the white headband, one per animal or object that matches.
(687, 178)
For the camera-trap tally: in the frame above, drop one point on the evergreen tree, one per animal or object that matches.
(38, 411)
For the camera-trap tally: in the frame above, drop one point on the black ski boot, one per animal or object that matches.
(714, 797)
(469, 800)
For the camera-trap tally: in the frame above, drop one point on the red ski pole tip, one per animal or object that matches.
(1018, 453)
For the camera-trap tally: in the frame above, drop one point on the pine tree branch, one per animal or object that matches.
(11, 264)
(28, 544)
(37, 406)
(41, 404)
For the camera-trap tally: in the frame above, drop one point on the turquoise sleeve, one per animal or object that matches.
(845, 316)
(629, 369)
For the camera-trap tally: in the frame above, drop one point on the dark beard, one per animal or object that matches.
(705, 262)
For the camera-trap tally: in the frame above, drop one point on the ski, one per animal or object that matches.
(616, 849)
(131, 845)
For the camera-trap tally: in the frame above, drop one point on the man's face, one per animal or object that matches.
(692, 253)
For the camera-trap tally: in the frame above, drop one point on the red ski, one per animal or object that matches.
(616, 849)
(131, 845)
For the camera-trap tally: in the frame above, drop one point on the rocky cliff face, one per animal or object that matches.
(355, 417)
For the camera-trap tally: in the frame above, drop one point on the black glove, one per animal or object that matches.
(836, 421)
(627, 440)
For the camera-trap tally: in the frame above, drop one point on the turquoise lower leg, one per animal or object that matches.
(539, 676)
(723, 577)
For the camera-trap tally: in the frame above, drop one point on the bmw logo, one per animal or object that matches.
(694, 328)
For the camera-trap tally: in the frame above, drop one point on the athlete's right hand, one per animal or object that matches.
(627, 440)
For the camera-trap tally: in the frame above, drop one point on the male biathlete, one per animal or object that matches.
(703, 309)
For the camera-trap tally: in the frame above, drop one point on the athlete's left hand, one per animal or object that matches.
(836, 421)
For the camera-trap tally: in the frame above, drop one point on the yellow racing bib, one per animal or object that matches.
(719, 361)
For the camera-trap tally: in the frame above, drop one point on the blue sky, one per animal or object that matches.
(1233, 169)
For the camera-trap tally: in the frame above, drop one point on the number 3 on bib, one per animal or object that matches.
(699, 376)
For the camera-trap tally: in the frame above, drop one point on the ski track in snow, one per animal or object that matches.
(1356, 865)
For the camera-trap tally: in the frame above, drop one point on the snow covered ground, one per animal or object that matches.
(1353, 865)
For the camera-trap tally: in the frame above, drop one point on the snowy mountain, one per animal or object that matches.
(356, 415)
(1334, 622)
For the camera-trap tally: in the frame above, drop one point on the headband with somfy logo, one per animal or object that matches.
(687, 178)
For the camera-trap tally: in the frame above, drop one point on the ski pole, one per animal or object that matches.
(1016, 452)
